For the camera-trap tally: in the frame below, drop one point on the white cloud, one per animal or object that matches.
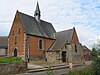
(63, 14)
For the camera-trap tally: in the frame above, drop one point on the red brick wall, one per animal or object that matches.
(20, 37)
(74, 37)
(31, 40)
(86, 55)
(33, 45)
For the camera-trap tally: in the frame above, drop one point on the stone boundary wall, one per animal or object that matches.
(12, 68)
(53, 57)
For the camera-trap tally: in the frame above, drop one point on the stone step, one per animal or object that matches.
(52, 68)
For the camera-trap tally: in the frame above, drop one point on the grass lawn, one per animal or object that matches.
(10, 60)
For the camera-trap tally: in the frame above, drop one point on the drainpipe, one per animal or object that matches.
(28, 48)
(24, 46)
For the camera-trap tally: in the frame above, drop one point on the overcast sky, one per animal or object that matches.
(84, 15)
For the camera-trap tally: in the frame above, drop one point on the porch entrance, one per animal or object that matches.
(15, 52)
(64, 56)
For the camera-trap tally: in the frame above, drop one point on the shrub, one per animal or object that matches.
(86, 71)
(96, 66)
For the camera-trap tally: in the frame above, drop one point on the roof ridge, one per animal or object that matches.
(42, 29)
(64, 30)
(33, 17)
(25, 14)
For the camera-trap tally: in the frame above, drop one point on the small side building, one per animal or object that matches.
(87, 53)
(3, 45)
(66, 48)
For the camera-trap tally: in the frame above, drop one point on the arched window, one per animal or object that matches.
(40, 44)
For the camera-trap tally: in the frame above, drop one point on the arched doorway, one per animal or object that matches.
(64, 56)
(15, 52)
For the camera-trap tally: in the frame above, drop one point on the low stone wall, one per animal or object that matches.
(12, 68)
(53, 57)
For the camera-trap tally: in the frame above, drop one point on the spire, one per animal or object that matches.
(37, 13)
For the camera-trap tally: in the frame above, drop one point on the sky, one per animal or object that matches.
(84, 15)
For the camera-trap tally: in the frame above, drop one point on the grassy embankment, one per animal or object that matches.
(10, 60)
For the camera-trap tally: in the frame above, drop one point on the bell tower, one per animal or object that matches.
(37, 13)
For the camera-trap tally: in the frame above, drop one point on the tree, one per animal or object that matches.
(95, 55)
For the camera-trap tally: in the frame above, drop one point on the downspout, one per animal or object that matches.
(28, 49)
(24, 46)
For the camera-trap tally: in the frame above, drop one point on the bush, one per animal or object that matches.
(96, 67)
(86, 71)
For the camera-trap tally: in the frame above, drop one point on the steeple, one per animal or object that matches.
(37, 13)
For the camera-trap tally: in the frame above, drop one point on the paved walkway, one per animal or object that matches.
(44, 65)
(41, 67)
(33, 66)
(38, 67)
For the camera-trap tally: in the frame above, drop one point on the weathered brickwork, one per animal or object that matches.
(75, 37)
(34, 43)
(25, 43)
(86, 53)
(17, 24)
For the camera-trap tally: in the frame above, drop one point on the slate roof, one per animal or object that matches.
(61, 38)
(32, 27)
(86, 49)
(3, 42)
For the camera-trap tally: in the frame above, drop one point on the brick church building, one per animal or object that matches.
(33, 39)
(30, 36)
